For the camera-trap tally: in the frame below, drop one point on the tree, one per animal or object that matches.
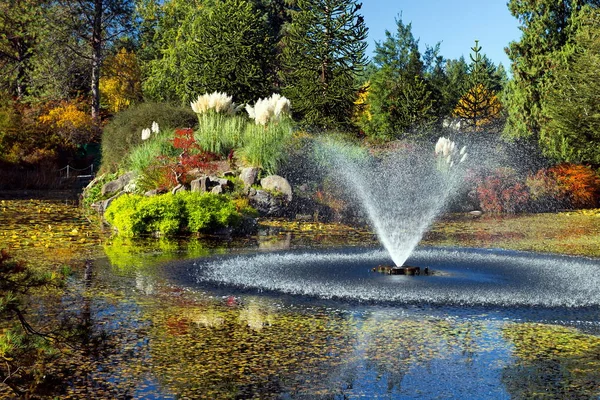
(400, 99)
(547, 27)
(225, 47)
(572, 133)
(324, 51)
(479, 106)
(120, 85)
(21, 25)
(94, 24)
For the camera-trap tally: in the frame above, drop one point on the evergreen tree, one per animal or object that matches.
(400, 99)
(456, 75)
(21, 26)
(324, 51)
(547, 27)
(225, 47)
(572, 132)
(479, 105)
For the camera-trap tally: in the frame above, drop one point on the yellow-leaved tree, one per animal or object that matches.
(478, 108)
(120, 84)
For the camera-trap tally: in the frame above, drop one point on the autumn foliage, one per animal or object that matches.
(120, 84)
(479, 107)
(501, 191)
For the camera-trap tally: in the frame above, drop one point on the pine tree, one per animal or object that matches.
(479, 106)
(400, 99)
(572, 106)
(324, 51)
(547, 27)
(225, 47)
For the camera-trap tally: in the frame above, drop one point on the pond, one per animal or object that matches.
(298, 314)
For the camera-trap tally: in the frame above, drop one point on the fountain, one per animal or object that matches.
(401, 192)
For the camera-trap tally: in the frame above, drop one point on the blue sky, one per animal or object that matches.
(454, 23)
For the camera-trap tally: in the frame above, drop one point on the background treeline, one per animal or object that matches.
(68, 66)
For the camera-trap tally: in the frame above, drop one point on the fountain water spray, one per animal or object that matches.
(402, 191)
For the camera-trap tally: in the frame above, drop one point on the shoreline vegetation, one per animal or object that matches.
(37, 224)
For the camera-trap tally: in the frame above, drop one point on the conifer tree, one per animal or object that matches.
(572, 104)
(324, 50)
(400, 99)
(479, 106)
(548, 28)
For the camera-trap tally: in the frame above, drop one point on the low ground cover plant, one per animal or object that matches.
(171, 214)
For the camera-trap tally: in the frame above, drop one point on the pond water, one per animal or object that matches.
(242, 323)
(274, 317)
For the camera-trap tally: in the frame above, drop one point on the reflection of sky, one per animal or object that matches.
(467, 368)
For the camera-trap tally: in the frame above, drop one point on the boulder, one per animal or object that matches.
(102, 205)
(200, 185)
(266, 203)
(118, 184)
(249, 175)
(278, 183)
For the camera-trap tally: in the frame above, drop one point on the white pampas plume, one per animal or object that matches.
(155, 128)
(250, 111)
(146, 133)
(269, 109)
(217, 101)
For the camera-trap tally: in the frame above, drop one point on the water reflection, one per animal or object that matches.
(173, 342)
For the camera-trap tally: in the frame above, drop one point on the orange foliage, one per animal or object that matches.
(580, 184)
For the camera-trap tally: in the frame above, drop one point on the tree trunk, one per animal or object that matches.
(96, 57)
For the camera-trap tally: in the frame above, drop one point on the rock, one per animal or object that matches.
(217, 189)
(101, 206)
(118, 184)
(278, 183)
(267, 204)
(229, 174)
(476, 213)
(152, 192)
(200, 185)
(249, 175)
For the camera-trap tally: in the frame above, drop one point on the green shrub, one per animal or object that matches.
(168, 214)
(207, 212)
(123, 215)
(124, 132)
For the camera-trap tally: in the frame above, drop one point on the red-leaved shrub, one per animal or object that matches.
(501, 191)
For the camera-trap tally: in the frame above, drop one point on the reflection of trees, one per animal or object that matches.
(393, 346)
(552, 362)
(245, 351)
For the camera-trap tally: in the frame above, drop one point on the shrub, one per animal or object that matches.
(168, 214)
(501, 191)
(208, 212)
(544, 191)
(123, 133)
(579, 183)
